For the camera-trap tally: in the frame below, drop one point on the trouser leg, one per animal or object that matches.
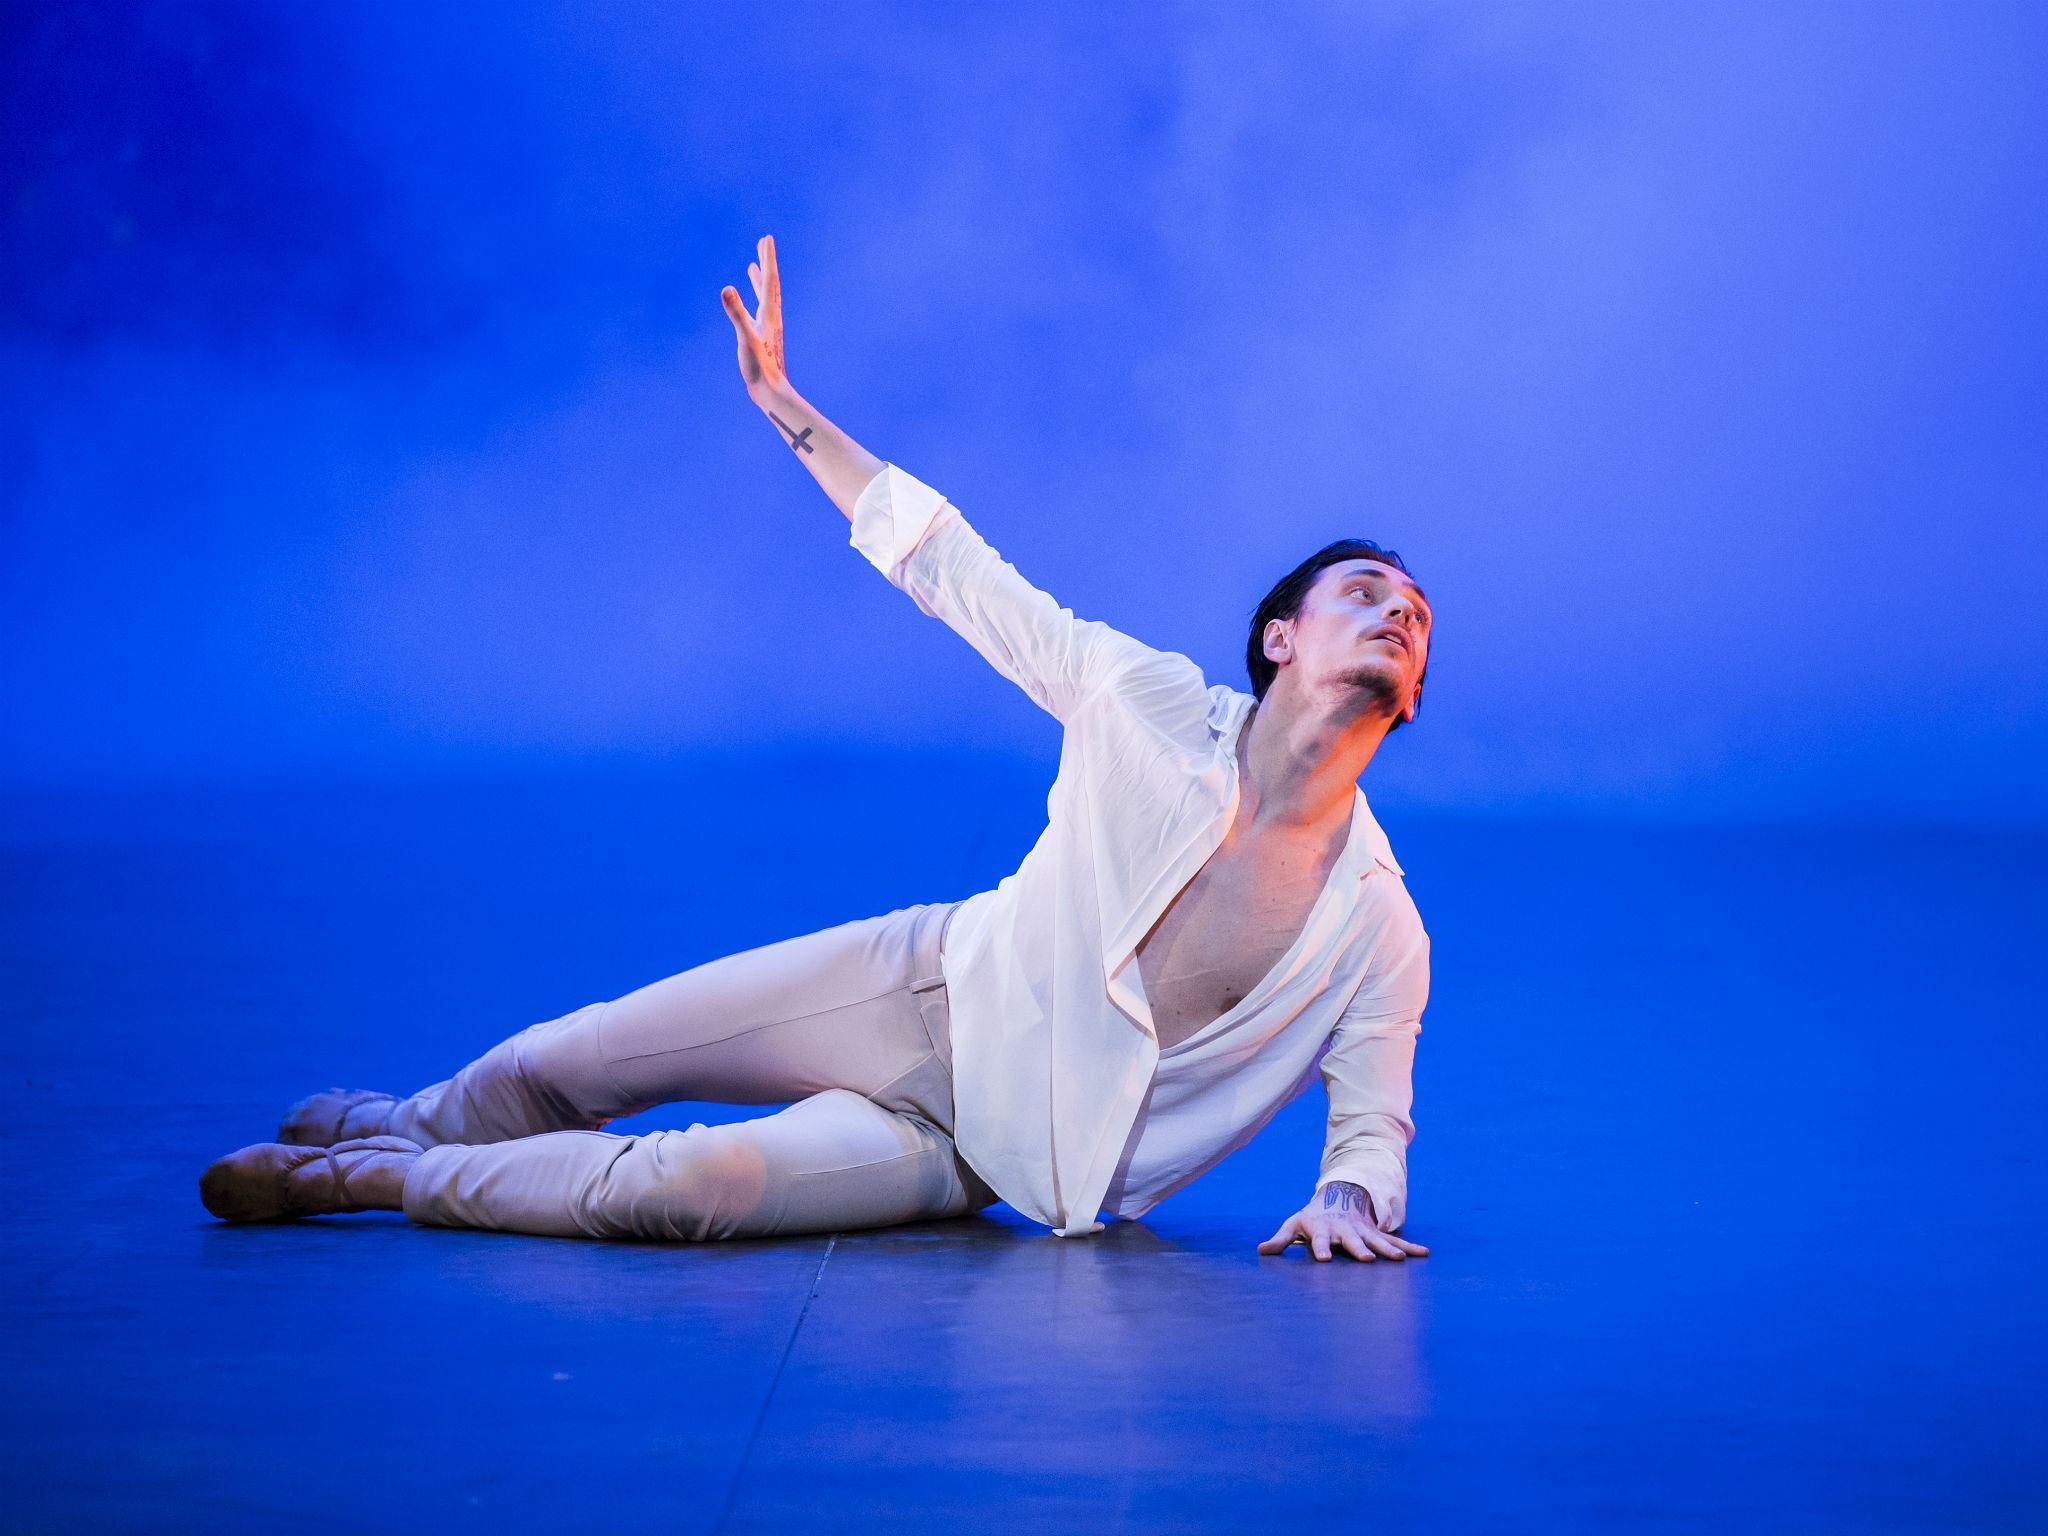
(845, 1007)
(548, 1077)
(851, 1021)
(833, 1162)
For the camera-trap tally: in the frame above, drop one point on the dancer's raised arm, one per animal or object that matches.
(838, 463)
(919, 540)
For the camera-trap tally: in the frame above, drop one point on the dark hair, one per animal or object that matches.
(1287, 596)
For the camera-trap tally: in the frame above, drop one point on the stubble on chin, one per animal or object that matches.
(1379, 687)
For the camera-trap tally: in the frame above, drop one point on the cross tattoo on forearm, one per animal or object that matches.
(1350, 1198)
(800, 440)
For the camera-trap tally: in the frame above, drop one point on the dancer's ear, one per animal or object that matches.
(1276, 629)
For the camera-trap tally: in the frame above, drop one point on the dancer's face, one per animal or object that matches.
(1363, 627)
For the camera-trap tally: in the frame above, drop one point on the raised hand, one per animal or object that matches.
(1343, 1217)
(760, 334)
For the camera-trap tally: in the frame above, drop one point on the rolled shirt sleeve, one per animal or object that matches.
(1368, 1072)
(891, 518)
(922, 543)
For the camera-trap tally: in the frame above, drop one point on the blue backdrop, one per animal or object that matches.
(410, 633)
(373, 413)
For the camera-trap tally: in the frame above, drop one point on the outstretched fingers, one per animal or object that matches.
(760, 333)
(1280, 1241)
(1362, 1242)
(768, 284)
(736, 311)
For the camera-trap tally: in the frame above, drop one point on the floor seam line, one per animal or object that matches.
(732, 1492)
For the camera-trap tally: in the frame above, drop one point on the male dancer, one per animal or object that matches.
(1211, 917)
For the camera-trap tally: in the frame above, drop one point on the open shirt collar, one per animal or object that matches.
(1228, 708)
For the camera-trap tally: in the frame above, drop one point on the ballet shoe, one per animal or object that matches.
(274, 1182)
(336, 1115)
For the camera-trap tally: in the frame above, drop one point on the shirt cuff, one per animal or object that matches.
(891, 518)
(1389, 1191)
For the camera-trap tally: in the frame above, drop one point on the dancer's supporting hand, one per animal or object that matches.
(760, 334)
(1342, 1217)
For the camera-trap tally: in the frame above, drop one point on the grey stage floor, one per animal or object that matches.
(1729, 1158)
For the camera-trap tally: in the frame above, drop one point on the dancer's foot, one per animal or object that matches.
(337, 1115)
(274, 1182)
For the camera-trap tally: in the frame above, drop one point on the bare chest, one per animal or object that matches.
(1229, 926)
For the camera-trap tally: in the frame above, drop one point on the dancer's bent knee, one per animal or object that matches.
(560, 1064)
(698, 1185)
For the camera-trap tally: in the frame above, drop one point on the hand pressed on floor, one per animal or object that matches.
(1341, 1217)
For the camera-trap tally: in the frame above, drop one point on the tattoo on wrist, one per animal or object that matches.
(798, 440)
(1349, 1198)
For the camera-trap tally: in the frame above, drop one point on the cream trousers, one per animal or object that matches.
(849, 1022)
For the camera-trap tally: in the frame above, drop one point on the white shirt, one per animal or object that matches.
(1064, 1102)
